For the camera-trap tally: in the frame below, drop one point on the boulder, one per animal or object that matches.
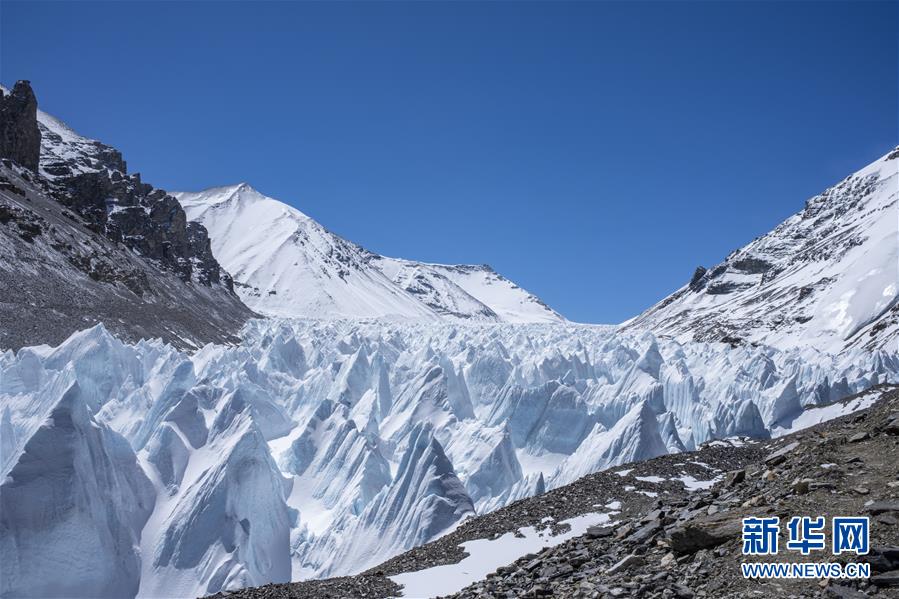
(626, 563)
(734, 478)
(780, 456)
(883, 558)
(887, 579)
(704, 533)
(880, 507)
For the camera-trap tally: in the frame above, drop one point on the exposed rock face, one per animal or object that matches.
(145, 219)
(85, 242)
(20, 138)
(92, 179)
(64, 275)
(696, 281)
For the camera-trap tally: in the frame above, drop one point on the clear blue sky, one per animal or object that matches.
(594, 152)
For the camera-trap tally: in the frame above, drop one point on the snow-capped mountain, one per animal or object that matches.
(323, 447)
(286, 264)
(826, 277)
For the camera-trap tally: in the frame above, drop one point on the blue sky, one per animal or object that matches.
(594, 152)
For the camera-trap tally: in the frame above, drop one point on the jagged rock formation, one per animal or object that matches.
(86, 242)
(824, 277)
(20, 138)
(92, 179)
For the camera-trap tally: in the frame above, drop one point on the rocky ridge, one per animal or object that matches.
(675, 540)
(86, 242)
(92, 179)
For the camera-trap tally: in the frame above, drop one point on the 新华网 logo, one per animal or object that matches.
(806, 535)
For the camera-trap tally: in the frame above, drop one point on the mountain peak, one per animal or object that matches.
(242, 192)
(244, 188)
(286, 264)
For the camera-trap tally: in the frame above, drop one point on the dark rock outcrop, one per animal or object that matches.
(59, 275)
(145, 219)
(91, 179)
(697, 281)
(20, 138)
(704, 533)
(751, 265)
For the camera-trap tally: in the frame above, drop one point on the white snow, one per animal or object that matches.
(816, 415)
(692, 484)
(286, 264)
(547, 462)
(651, 479)
(486, 555)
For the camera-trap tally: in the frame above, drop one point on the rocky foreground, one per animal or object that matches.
(671, 541)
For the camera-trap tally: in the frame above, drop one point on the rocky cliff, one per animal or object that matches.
(20, 138)
(84, 242)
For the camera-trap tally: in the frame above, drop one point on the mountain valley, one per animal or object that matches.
(202, 392)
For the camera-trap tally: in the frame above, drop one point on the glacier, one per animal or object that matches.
(318, 448)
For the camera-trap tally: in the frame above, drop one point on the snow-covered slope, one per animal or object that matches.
(65, 153)
(467, 291)
(321, 447)
(826, 277)
(286, 264)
